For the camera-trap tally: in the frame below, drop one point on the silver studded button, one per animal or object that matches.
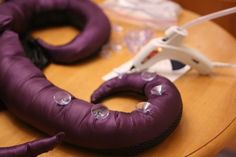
(144, 107)
(157, 90)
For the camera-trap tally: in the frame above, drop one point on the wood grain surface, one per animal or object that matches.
(209, 112)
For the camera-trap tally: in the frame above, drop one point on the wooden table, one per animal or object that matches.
(209, 112)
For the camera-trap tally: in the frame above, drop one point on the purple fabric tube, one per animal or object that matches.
(19, 15)
(27, 93)
(31, 149)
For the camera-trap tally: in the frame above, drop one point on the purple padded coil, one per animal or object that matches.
(19, 15)
(29, 95)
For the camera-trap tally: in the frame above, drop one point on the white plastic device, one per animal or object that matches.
(171, 47)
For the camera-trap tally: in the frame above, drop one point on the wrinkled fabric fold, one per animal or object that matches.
(32, 149)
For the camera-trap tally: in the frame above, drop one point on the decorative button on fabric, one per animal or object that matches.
(62, 98)
(157, 90)
(144, 107)
(99, 112)
(148, 76)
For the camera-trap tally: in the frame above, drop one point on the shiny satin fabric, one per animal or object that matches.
(33, 102)
(20, 16)
(31, 149)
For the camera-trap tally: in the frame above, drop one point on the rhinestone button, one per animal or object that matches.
(148, 76)
(62, 98)
(99, 112)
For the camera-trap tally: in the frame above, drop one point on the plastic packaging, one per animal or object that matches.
(137, 38)
(159, 14)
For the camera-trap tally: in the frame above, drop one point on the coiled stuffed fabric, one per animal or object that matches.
(21, 16)
(34, 103)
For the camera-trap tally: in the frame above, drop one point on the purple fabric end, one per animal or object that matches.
(33, 148)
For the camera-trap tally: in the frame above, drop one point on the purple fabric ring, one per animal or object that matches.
(34, 104)
(20, 15)
(34, 100)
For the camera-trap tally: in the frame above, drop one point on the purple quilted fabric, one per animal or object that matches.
(27, 93)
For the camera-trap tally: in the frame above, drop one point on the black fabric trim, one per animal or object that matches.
(34, 52)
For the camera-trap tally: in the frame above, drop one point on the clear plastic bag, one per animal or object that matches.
(158, 14)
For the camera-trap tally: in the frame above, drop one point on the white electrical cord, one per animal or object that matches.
(202, 19)
(209, 17)
(223, 65)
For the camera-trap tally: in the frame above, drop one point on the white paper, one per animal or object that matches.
(163, 68)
